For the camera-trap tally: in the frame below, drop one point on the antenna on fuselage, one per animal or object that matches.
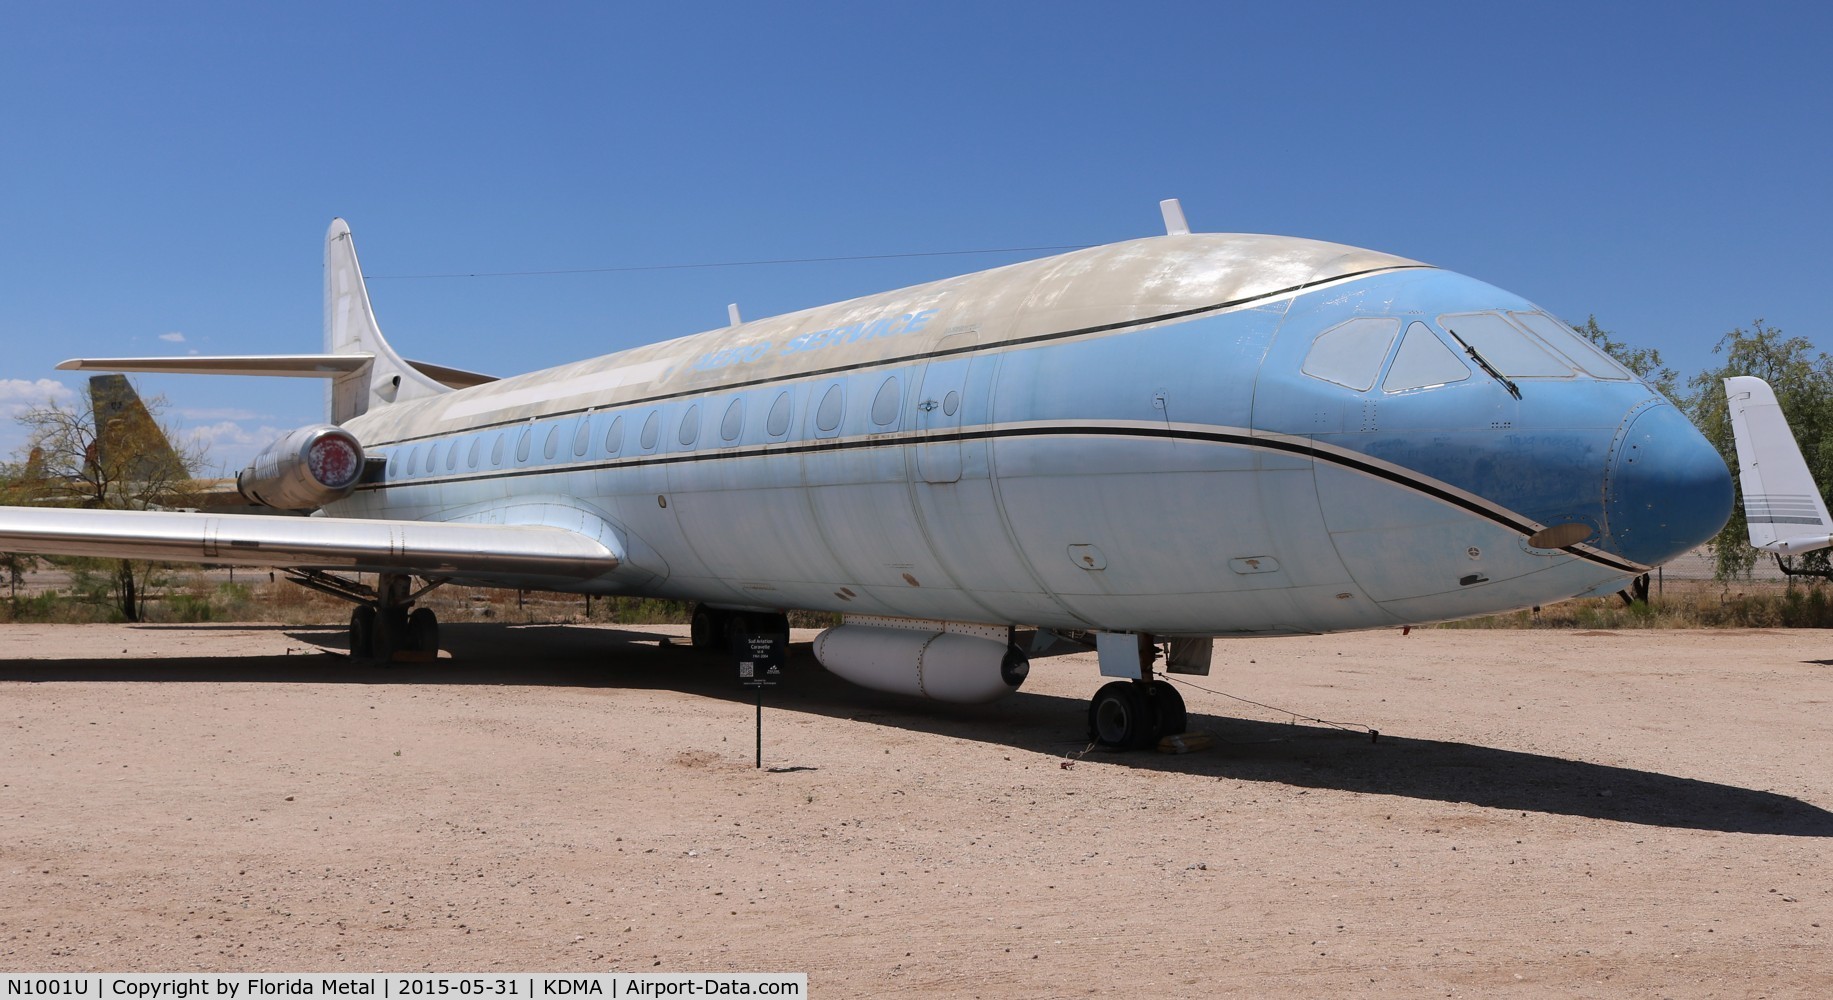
(732, 313)
(1173, 211)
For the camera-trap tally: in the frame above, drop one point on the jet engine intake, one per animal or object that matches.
(928, 662)
(304, 470)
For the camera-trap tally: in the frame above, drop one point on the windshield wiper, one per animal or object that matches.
(1482, 361)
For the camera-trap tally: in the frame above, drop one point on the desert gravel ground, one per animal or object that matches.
(1592, 814)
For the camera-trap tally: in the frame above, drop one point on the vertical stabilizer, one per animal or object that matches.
(1782, 504)
(350, 329)
(129, 444)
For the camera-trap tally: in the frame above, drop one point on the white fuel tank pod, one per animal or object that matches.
(950, 662)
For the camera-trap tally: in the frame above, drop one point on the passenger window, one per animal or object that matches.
(1573, 345)
(1423, 360)
(1502, 344)
(734, 421)
(522, 444)
(777, 424)
(652, 429)
(496, 450)
(827, 418)
(690, 426)
(432, 458)
(886, 404)
(614, 438)
(407, 464)
(452, 457)
(582, 438)
(553, 442)
(477, 448)
(1350, 353)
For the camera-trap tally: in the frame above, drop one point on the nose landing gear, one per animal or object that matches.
(1132, 715)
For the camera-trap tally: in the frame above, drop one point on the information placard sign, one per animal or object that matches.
(760, 659)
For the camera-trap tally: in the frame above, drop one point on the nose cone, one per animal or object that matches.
(1667, 490)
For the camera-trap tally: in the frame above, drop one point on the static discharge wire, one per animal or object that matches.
(731, 263)
(1374, 734)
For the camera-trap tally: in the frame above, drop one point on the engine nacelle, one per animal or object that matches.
(305, 470)
(925, 662)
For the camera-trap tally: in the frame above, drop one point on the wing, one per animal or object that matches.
(509, 552)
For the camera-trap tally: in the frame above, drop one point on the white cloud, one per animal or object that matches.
(174, 337)
(19, 395)
(230, 445)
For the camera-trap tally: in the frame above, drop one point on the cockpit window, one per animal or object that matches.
(1350, 353)
(1423, 360)
(1567, 341)
(1506, 346)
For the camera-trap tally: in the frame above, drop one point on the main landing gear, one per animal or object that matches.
(384, 625)
(390, 625)
(1131, 715)
(716, 628)
(380, 634)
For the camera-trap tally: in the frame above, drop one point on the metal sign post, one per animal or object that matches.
(760, 664)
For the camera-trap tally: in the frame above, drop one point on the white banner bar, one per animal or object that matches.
(399, 986)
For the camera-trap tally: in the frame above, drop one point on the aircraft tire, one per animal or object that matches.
(422, 631)
(1168, 714)
(390, 634)
(707, 630)
(363, 632)
(1120, 716)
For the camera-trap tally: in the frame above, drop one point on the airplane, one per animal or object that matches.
(1784, 512)
(1137, 447)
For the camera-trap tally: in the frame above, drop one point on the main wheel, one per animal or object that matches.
(390, 633)
(1168, 715)
(1120, 716)
(422, 631)
(708, 628)
(363, 632)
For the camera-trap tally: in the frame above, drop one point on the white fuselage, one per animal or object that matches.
(1128, 438)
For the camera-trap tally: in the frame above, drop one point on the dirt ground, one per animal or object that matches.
(1544, 814)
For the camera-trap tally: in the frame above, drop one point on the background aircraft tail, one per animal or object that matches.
(128, 441)
(1783, 509)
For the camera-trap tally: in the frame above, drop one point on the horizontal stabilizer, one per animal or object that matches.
(1783, 509)
(281, 365)
(286, 365)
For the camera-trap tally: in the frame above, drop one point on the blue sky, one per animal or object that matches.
(169, 170)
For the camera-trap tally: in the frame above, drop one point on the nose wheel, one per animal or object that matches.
(1130, 715)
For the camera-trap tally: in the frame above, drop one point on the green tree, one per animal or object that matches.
(1803, 381)
(105, 456)
(1644, 361)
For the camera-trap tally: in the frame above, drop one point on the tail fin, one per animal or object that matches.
(364, 370)
(129, 443)
(1783, 508)
(350, 329)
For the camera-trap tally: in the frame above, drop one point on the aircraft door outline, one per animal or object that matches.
(940, 401)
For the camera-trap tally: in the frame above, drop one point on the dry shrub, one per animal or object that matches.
(1683, 604)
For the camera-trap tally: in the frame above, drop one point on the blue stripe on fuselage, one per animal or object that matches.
(1543, 456)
